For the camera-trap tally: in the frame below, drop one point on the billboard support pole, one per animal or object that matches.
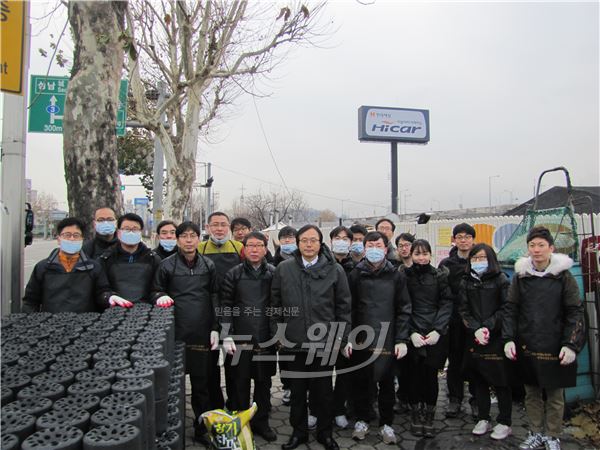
(394, 177)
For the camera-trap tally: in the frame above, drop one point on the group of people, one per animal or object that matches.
(360, 311)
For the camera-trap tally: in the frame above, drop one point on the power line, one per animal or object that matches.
(299, 190)
(262, 128)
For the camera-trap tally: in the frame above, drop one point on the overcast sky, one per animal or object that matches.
(512, 89)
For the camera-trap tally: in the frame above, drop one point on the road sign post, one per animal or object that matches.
(47, 104)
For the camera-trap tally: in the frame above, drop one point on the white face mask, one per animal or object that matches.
(131, 237)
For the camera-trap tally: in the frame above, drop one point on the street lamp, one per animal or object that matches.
(490, 188)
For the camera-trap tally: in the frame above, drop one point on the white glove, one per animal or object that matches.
(400, 350)
(566, 356)
(417, 340)
(115, 300)
(229, 345)
(214, 340)
(347, 351)
(510, 351)
(482, 336)
(164, 302)
(432, 338)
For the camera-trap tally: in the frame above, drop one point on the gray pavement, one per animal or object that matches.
(453, 434)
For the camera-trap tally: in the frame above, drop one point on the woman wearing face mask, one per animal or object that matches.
(431, 310)
(483, 293)
(167, 245)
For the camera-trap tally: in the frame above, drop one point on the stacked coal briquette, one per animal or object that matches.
(113, 380)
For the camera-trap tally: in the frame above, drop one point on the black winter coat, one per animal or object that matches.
(304, 297)
(194, 292)
(347, 264)
(245, 311)
(130, 274)
(162, 253)
(52, 289)
(380, 301)
(280, 257)
(543, 314)
(482, 301)
(95, 247)
(456, 267)
(431, 299)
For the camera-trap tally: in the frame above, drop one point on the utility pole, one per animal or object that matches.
(12, 204)
(208, 191)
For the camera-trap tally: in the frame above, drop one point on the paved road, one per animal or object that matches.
(454, 434)
(35, 252)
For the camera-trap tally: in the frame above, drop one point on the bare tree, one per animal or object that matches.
(43, 206)
(327, 215)
(261, 208)
(90, 141)
(207, 53)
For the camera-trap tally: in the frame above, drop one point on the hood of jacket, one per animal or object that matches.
(558, 263)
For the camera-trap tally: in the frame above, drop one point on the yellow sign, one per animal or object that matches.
(444, 238)
(12, 35)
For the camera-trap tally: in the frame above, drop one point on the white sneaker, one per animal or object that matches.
(341, 421)
(360, 430)
(534, 441)
(312, 422)
(387, 434)
(287, 396)
(501, 431)
(482, 427)
(552, 443)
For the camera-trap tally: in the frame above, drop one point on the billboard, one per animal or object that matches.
(382, 124)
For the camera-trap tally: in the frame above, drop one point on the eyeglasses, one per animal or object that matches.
(384, 228)
(255, 246)
(478, 258)
(406, 245)
(131, 230)
(236, 229)
(105, 219)
(75, 236)
(188, 236)
(463, 237)
(309, 241)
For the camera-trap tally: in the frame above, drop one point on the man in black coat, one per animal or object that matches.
(105, 236)
(167, 239)
(380, 301)
(130, 264)
(311, 298)
(244, 312)
(543, 330)
(187, 280)
(67, 281)
(463, 238)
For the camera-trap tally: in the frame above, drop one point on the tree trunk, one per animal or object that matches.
(90, 141)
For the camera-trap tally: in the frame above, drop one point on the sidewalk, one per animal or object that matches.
(453, 434)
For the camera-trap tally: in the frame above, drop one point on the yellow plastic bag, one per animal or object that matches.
(230, 430)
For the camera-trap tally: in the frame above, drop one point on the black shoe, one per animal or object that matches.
(294, 442)
(329, 443)
(266, 433)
